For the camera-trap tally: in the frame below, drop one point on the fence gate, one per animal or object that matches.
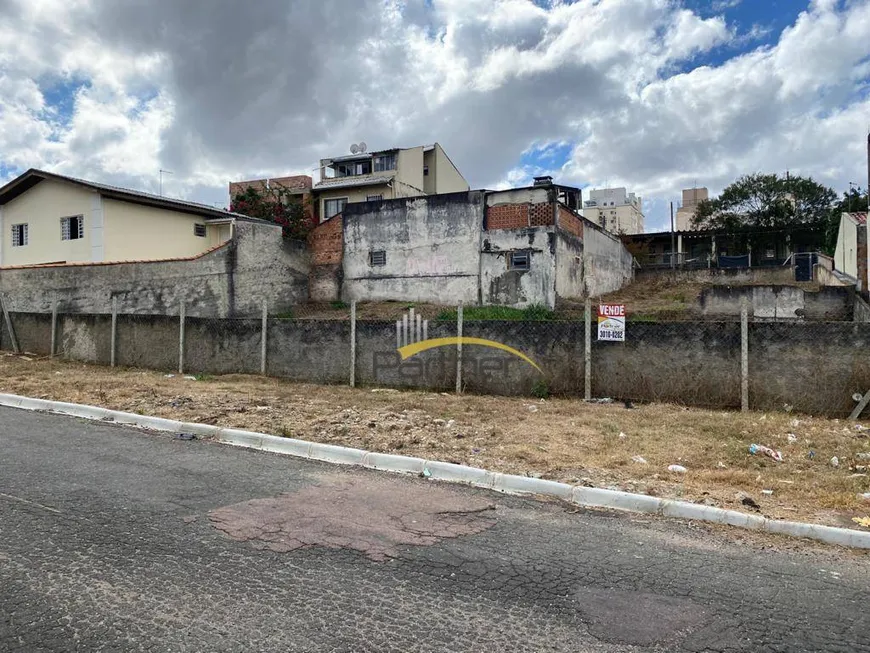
(803, 266)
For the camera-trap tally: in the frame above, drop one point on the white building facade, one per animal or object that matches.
(615, 209)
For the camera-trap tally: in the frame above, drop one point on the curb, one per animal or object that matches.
(441, 471)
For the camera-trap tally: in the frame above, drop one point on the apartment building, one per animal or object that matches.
(386, 174)
(691, 198)
(615, 209)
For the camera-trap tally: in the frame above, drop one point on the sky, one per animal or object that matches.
(653, 95)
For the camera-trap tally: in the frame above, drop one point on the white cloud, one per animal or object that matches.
(219, 91)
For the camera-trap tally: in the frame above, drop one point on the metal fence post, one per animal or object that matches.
(353, 344)
(744, 358)
(459, 349)
(181, 313)
(587, 352)
(9, 327)
(114, 345)
(264, 328)
(53, 329)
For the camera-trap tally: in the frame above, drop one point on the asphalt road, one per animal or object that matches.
(108, 542)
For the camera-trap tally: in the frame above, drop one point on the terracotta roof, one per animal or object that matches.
(29, 179)
(860, 218)
(42, 266)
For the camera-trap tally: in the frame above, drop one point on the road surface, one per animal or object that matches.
(112, 539)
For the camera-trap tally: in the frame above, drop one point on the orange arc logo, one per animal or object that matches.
(416, 347)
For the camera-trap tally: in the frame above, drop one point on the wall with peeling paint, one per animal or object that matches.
(501, 285)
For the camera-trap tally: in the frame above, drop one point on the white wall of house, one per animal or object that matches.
(448, 179)
(845, 255)
(41, 209)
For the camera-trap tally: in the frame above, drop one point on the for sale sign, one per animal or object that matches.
(611, 322)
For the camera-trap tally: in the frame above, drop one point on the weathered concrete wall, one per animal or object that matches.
(779, 302)
(862, 310)
(258, 265)
(774, 275)
(503, 286)
(431, 247)
(570, 283)
(813, 367)
(607, 264)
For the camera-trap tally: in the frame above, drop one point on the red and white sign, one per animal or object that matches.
(611, 322)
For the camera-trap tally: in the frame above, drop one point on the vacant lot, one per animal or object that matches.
(561, 439)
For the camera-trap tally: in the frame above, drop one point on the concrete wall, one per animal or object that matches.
(813, 367)
(846, 252)
(862, 310)
(409, 173)
(607, 265)
(41, 208)
(774, 275)
(501, 285)
(431, 246)
(570, 282)
(234, 279)
(779, 302)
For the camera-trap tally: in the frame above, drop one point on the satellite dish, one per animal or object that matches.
(355, 149)
(362, 147)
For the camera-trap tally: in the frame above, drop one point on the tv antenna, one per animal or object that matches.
(163, 172)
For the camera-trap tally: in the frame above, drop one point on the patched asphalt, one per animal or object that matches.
(113, 539)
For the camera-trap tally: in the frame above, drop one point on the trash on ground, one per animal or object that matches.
(426, 472)
(861, 428)
(532, 409)
(747, 501)
(862, 455)
(189, 377)
(811, 455)
(384, 390)
(185, 436)
(767, 451)
(795, 423)
(169, 376)
(835, 462)
(450, 423)
(865, 496)
(862, 521)
(767, 492)
(792, 438)
(677, 469)
(721, 465)
(601, 400)
(640, 460)
(622, 435)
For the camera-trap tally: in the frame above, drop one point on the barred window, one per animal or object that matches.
(378, 257)
(72, 227)
(519, 261)
(199, 230)
(19, 235)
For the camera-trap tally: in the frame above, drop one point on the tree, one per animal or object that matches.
(852, 202)
(767, 200)
(275, 204)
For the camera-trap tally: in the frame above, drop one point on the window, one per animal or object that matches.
(333, 207)
(374, 198)
(72, 228)
(377, 257)
(199, 230)
(385, 162)
(519, 261)
(353, 168)
(19, 235)
(425, 171)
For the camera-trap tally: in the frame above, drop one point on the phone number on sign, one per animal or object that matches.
(608, 334)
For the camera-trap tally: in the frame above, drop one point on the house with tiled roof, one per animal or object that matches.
(850, 256)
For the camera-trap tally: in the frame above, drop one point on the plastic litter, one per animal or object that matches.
(767, 492)
(188, 377)
(640, 460)
(533, 409)
(426, 472)
(835, 462)
(622, 435)
(721, 465)
(677, 469)
(862, 456)
(601, 400)
(169, 376)
(185, 436)
(811, 455)
(792, 438)
(767, 451)
(862, 521)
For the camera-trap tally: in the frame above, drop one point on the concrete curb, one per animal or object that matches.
(441, 471)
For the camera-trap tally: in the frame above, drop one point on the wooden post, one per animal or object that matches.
(587, 352)
(744, 358)
(114, 344)
(264, 328)
(53, 329)
(181, 313)
(459, 349)
(353, 344)
(9, 327)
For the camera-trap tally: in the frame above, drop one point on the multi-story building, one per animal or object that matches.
(691, 198)
(615, 210)
(387, 174)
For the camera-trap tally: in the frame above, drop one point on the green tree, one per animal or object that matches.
(852, 202)
(276, 204)
(767, 200)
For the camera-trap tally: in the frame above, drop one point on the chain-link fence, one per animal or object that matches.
(744, 361)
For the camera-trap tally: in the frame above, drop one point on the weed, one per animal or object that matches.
(541, 389)
(203, 377)
(338, 305)
(284, 315)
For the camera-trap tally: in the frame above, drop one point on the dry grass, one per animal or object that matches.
(560, 439)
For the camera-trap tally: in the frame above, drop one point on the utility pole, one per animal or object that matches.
(163, 172)
(672, 235)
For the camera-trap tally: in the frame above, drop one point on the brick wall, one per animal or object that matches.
(325, 242)
(517, 216)
(570, 222)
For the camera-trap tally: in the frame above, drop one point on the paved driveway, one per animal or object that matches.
(117, 540)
